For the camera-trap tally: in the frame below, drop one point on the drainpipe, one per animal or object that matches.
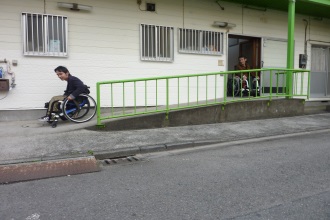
(305, 43)
(290, 49)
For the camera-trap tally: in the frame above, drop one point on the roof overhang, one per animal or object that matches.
(313, 8)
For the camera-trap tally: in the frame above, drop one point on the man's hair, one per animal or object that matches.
(61, 69)
(242, 57)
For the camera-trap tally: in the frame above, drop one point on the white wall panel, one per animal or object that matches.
(104, 43)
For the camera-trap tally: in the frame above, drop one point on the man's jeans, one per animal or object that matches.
(53, 101)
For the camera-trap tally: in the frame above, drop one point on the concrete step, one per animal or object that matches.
(317, 106)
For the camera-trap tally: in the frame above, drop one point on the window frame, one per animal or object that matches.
(161, 39)
(43, 41)
(197, 40)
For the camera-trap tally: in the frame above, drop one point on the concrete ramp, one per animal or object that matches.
(231, 112)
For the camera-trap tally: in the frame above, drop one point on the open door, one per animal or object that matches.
(244, 46)
(274, 53)
(274, 56)
(251, 49)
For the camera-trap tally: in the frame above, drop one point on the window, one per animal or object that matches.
(200, 42)
(156, 43)
(44, 35)
(319, 59)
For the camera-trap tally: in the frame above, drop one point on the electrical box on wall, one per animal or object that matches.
(302, 61)
(4, 84)
(151, 7)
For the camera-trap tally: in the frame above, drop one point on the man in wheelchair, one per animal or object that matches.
(74, 88)
(239, 85)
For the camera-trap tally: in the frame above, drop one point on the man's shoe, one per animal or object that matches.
(45, 118)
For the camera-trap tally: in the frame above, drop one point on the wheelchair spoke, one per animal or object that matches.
(82, 109)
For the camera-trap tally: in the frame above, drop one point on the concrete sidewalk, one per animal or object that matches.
(27, 141)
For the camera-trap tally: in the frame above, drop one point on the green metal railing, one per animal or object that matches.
(121, 98)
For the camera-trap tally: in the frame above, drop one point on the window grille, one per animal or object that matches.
(44, 35)
(156, 43)
(200, 42)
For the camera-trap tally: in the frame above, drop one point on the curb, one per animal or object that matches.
(126, 152)
(46, 169)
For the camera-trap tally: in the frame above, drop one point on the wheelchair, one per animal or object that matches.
(255, 91)
(235, 88)
(79, 110)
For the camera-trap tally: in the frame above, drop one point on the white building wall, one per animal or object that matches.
(104, 43)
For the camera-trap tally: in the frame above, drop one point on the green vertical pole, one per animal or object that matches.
(271, 83)
(156, 94)
(215, 86)
(206, 89)
(134, 96)
(145, 96)
(167, 98)
(225, 88)
(178, 92)
(98, 106)
(309, 84)
(188, 91)
(123, 98)
(290, 49)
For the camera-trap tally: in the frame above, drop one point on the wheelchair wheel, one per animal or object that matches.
(256, 87)
(233, 87)
(79, 110)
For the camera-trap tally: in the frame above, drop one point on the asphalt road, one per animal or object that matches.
(283, 178)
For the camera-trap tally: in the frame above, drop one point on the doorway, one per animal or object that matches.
(244, 46)
(320, 72)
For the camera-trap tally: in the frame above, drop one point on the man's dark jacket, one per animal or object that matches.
(75, 87)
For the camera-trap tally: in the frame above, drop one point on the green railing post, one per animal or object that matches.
(271, 84)
(156, 94)
(277, 82)
(145, 96)
(215, 86)
(123, 98)
(188, 91)
(308, 87)
(290, 49)
(98, 106)
(167, 98)
(197, 88)
(225, 87)
(134, 96)
(111, 89)
(178, 92)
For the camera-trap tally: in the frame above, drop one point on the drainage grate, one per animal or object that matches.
(120, 160)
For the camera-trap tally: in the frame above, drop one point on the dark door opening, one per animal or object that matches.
(244, 46)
